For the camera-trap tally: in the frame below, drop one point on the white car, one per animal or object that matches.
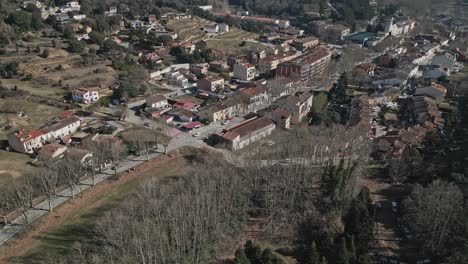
(394, 207)
(225, 122)
(196, 135)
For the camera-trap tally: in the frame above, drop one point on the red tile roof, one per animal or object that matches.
(50, 149)
(192, 125)
(66, 114)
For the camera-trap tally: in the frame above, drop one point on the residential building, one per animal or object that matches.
(435, 91)
(70, 7)
(297, 106)
(244, 71)
(211, 29)
(219, 66)
(307, 66)
(51, 151)
(177, 79)
(29, 142)
(445, 61)
(271, 62)
(85, 95)
(157, 101)
(280, 116)
(136, 24)
(253, 98)
(363, 70)
(182, 114)
(222, 110)
(223, 28)
(210, 83)
(199, 69)
(206, 7)
(35, 3)
(247, 132)
(305, 43)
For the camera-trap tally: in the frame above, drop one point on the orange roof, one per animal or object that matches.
(231, 136)
(50, 149)
(66, 114)
(27, 136)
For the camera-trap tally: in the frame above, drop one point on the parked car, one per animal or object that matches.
(394, 207)
(225, 122)
(196, 135)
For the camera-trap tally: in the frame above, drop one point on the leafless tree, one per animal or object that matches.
(23, 197)
(435, 212)
(48, 180)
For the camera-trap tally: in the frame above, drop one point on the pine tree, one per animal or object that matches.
(341, 93)
(314, 254)
(253, 252)
(352, 250)
(342, 257)
(324, 260)
(241, 258)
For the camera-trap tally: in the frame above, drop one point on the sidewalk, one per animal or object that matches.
(19, 224)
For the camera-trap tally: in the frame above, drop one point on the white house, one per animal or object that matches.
(211, 29)
(224, 28)
(136, 24)
(31, 141)
(85, 95)
(157, 101)
(244, 71)
(70, 7)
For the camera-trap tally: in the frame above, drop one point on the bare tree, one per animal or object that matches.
(48, 179)
(435, 212)
(23, 197)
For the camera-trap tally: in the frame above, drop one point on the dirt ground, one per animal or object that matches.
(60, 70)
(14, 166)
(30, 246)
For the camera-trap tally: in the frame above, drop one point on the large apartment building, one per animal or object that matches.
(305, 67)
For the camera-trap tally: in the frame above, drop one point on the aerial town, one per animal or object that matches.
(243, 131)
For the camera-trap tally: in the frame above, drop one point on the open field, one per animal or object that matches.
(188, 29)
(35, 115)
(51, 77)
(14, 166)
(61, 231)
(231, 42)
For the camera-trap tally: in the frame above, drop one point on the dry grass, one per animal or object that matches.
(36, 115)
(74, 222)
(14, 166)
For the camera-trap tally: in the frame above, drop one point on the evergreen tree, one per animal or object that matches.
(352, 250)
(241, 258)
(324, 260)
(341, 93)
(314, 257)
(342, 256)
(253, 252)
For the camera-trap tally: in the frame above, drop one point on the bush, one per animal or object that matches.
(76, 46)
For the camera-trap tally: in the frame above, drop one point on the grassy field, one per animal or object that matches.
(231, 43)
(14, 166)
(79, 225)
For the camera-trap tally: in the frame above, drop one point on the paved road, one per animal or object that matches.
(20, 223)
(182, 140)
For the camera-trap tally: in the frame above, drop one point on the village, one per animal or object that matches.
(209, 78)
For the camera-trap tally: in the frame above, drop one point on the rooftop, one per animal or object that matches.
(247, 127)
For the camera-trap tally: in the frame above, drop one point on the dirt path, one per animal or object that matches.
(386, 236)
(30, 239)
